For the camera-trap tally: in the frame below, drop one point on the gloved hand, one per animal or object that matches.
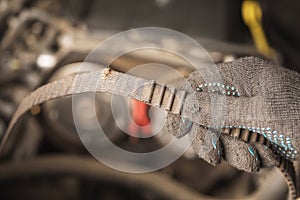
(260, 98)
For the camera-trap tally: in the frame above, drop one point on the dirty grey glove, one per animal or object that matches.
(259, 97)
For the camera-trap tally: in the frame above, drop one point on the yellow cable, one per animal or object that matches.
(252, 16)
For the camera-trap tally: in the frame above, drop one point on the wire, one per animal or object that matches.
(156, 182)
(87, 167)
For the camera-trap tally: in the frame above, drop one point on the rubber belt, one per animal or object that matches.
(147, 91)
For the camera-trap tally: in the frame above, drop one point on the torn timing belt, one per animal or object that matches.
(147, 91)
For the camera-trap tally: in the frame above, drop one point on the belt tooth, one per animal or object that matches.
(235, 132)
(226, 130)
(178, 102)
(168, 98)
(158, 94)
(245, 135)
(261, 139)
(148, 91)
(253, 137)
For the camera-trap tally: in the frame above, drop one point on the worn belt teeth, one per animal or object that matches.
(285, 166)
(158, 94)
(245, 135)
(226, 130)
(261, 139)
(235, 132)
(148, 91)
(178, 102)
(288, 170)
(253, 138)
(167, 98)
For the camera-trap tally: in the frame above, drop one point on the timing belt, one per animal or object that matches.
(285, 166)
(147, 91)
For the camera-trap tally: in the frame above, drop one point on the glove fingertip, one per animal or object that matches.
(267, 157)
(203, 145)
(239, 154)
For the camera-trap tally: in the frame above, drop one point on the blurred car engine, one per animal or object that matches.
(43, 41)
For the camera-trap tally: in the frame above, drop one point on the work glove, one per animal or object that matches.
(255, 100)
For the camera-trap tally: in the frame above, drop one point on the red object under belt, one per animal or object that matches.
(141, 121)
